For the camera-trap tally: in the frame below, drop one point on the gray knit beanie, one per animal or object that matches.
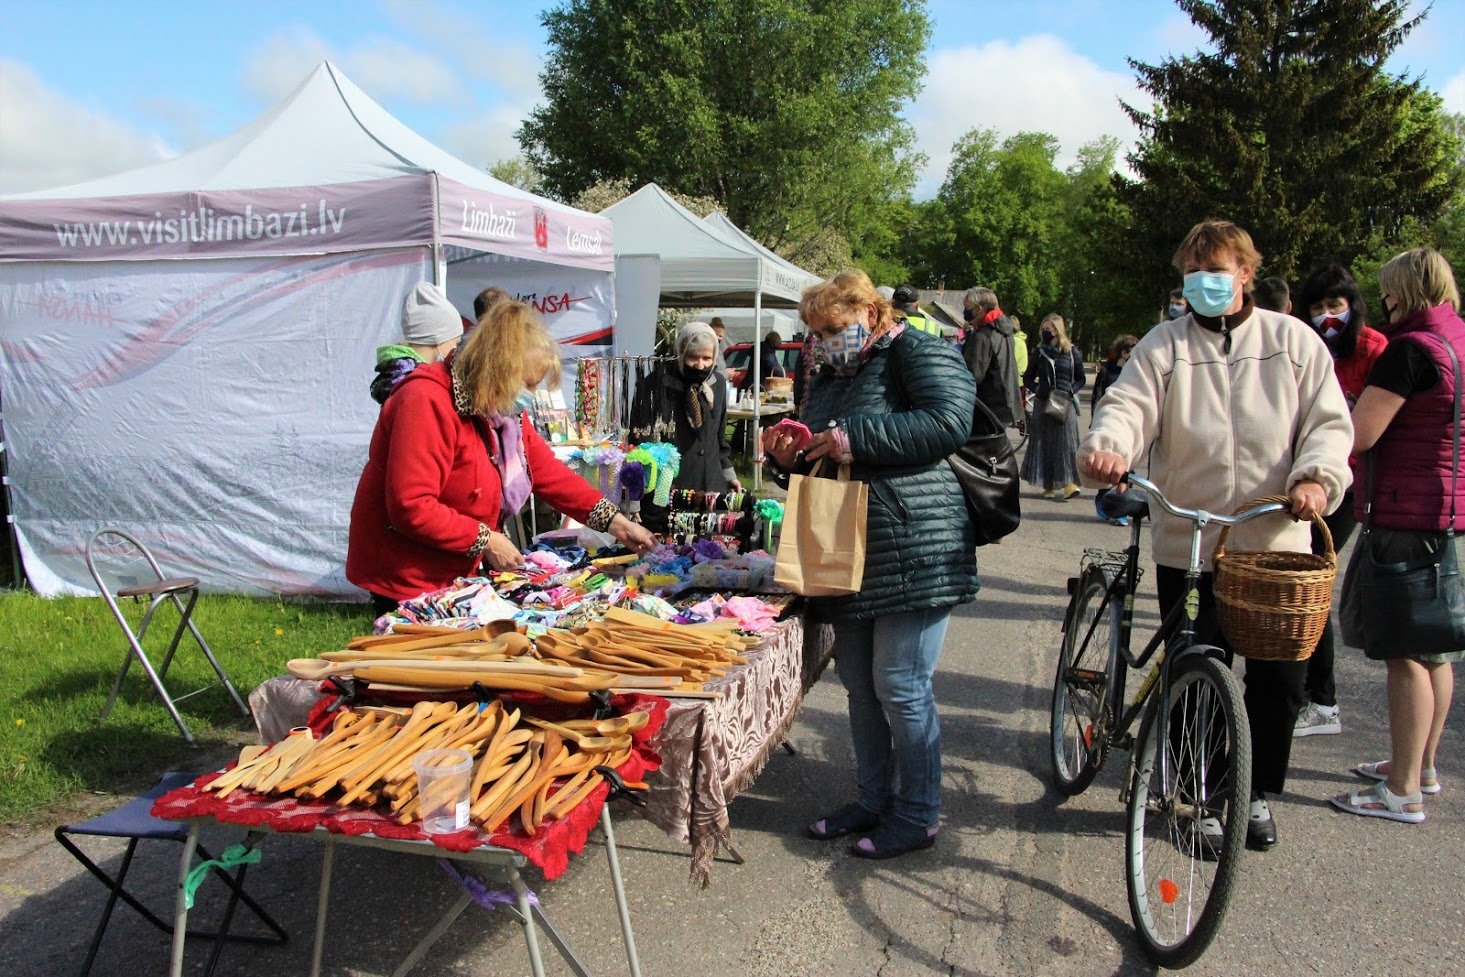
(428, 318)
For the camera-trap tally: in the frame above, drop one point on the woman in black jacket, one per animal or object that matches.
(1055, 372)
(684, 403)
(893, 403)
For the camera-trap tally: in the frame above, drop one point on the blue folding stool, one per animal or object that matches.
(134, 821)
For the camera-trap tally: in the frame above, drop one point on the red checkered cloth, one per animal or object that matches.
(549, 848)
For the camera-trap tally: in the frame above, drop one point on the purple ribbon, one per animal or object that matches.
(480, 893)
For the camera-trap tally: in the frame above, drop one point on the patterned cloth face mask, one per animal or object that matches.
(842, 350)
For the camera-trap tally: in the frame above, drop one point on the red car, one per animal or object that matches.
(739, 357)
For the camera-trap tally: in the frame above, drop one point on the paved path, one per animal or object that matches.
(1021, 882)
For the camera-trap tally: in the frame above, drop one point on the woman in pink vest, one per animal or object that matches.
(1405, 420)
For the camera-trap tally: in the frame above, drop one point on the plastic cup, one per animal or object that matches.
(442, 789)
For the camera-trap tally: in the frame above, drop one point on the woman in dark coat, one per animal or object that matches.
(893, 403)
(1057, 371)
(685, 404)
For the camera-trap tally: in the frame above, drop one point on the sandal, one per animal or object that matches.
(895, 837)
(1429, 781)
(846, 821)
(1379, 802)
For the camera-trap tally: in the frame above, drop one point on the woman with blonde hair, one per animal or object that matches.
(1411, 502)
(893, 403)
(454, 455)
(1055, 375)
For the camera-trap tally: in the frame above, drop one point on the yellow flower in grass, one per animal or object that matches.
(279, 632)
(19, 723)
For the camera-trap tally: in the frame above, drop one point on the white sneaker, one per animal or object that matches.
(1315, 720)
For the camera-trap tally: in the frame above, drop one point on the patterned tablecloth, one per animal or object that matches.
(711, 749)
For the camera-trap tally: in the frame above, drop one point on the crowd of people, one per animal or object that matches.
(1236, 394)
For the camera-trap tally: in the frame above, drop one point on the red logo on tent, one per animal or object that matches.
(541, 228)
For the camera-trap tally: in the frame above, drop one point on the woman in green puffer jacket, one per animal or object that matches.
(893, 403)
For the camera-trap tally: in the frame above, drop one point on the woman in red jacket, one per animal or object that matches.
(1331, 303)
(453, 455)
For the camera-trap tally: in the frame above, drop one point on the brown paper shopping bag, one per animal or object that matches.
(822, 550)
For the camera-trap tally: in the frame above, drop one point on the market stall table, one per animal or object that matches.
(334, 823)
(712, 749)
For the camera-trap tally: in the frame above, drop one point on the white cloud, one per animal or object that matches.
(51, 140)
(383, 68)
(1037, 83)
(486, 139)
(1454, 93)
(484, 50)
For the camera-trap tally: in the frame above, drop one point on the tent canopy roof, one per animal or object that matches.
(700, 265)
(797, 278)
(327, 131)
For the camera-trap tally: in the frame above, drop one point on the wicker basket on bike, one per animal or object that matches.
(1274, 605)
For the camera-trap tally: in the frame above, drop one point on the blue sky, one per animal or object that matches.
(92, 88)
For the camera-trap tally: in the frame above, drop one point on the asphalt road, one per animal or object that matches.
(1020, 881)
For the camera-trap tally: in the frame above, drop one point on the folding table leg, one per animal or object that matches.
(526, 911)
(613, 855)
(433, 935)
(322, 904)
(180, 907)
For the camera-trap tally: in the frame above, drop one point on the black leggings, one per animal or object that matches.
(1274, 690)
(1320, 687)
(382, 605)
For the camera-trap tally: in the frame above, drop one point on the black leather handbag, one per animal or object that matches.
(1397, 610)
(986, 467)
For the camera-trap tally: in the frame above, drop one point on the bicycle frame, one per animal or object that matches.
(1177, 631)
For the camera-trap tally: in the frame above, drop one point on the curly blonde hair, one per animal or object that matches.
(845, 293)
(509, 346)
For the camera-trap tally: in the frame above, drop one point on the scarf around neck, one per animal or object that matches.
(506, 447)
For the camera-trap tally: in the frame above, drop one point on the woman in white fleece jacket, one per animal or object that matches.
(1230, 402)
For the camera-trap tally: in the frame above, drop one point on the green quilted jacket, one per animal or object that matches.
(906, 410)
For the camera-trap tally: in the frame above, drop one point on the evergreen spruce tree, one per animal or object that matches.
(1287, 123)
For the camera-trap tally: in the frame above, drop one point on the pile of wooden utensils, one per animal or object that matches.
(628, 651)
(537, 769)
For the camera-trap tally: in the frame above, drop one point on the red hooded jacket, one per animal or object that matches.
(428, 484)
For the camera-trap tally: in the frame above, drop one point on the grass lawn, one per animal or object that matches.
(59, 657)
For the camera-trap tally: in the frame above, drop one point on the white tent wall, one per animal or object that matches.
(638, 295)
(218, 408)
(577, 305)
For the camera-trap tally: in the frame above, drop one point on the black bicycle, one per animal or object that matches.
(1189, 790)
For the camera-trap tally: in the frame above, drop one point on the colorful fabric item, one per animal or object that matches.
(513, 469)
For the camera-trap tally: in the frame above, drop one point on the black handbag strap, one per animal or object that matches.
(1454, 452)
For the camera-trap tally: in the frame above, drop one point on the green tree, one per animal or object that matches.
(518, 172)
(1287, 123)
(787, 111)
(997, 221)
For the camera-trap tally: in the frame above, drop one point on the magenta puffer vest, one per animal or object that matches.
(1413, 457)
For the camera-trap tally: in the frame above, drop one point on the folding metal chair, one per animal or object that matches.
(136, 575)
(135, 822)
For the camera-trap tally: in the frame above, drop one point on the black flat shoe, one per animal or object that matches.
(895, 836)
(1261, 830)
(846, 821)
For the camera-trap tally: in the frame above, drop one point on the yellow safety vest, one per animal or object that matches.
(925, 323)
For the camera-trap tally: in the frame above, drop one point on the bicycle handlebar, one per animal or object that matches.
(1200, 516)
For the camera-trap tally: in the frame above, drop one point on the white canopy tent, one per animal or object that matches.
(185, 348)
(702, 264)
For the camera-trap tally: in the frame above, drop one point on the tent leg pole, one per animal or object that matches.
(757, 384)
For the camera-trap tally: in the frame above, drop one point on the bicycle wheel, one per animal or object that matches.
(1087, 662)
(1188, 806)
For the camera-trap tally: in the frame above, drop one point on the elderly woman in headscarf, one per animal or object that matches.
(684, 403)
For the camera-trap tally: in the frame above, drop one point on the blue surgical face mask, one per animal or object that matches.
(1177, 310)
(1210, 293)
(842, 350)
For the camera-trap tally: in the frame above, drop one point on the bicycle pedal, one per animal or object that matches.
(1085, 676)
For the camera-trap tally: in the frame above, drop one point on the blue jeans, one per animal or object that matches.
(886, 666)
